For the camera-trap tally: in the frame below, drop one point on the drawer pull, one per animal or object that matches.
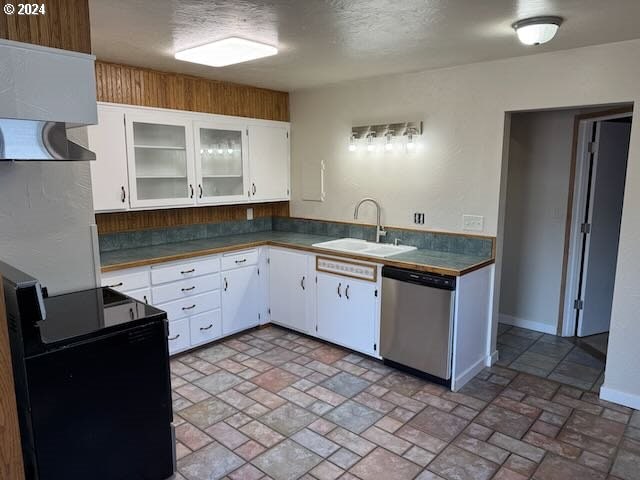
(339, 293)
(174, 338)
(189, 308)
(346, 292)
(207, 328)
(123, 194)
(188, 289)
(115, 285)
(146, 300)
(241, 261)
(302, 282)
(184, 272)
(226, 284)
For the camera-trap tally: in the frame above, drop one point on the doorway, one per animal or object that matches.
(564, 186)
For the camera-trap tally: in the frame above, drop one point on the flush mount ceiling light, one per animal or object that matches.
(226, 52)
(537, 30)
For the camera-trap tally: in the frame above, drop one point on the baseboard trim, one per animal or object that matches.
(528, 324)
(492, 359)
(458, 382)
(622, 398)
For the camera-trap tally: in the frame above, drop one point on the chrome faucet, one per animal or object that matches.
(379, 228)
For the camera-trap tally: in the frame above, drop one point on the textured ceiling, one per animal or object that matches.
(324, 42)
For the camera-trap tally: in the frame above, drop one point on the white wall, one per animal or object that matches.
(536, 208)
(459, 169)
(45, 215)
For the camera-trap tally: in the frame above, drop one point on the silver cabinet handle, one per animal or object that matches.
(207, 328)
(115, 285)
(346, 292)
(123, 194)
(191, 188)
(189, 308)
(188, 289)
(339, 293)
(200, 188)
(226, 284)
(184, 272)
(302, 282)
(131, 314)
(253, 186)
(146, 300)
(175, 338)
(241, 261)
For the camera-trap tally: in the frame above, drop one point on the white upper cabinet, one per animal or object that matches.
(160, 157)
(154, 158)
(221, 162)
(109, 178)
(269, 162)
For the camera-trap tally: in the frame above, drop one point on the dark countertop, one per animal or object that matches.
(424, 260)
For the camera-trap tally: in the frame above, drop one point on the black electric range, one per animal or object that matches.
(92, 383)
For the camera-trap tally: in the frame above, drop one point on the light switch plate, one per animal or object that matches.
(249, 213)
(473, 223)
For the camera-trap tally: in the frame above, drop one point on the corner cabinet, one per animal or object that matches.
(269, 162)
(150, 158)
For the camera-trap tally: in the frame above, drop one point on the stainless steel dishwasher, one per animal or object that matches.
(417, 321)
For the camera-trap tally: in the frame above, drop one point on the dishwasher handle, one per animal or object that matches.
(433, 280)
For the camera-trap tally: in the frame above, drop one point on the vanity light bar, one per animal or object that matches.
(399, 129)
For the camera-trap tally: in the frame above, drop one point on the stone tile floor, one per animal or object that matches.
(549, 356)
(274, 404)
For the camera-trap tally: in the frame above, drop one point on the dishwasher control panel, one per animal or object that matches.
(348, 268)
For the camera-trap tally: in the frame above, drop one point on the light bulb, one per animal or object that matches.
(229, 150)
(220, 150)
(209, 150)
(410, 143)
(352, 143)
(370, 146)
(202, 150)
(389, 146)
(537, 30)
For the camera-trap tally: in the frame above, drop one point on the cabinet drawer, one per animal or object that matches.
(239, 259)
(124, 281)
(142, 294)
(185, 288)
(205, 327)
(179, 336)
(179, 271)
(191, 305)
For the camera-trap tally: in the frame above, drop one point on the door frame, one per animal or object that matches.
(576, 210)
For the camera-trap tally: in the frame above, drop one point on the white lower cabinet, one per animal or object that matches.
(179, 336)
(290, 289)
(348, 312)
(211, 297)
(205, 327)
(240, 294)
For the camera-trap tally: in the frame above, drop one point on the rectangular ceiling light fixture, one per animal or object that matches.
(226, 52)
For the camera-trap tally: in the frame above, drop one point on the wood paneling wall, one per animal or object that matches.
(150, 88)
(65, 25)
(142, 220)
(11, 466)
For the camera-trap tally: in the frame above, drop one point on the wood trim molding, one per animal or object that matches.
(572, 180)
(11, 463)
(131, 85)
(117, 222)
(65, 25)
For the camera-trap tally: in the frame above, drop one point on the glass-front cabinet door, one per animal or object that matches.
(221, 162)
(160, 159)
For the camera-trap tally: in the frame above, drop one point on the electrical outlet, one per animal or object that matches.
(249, 213)
(418, 218)
(473, 223)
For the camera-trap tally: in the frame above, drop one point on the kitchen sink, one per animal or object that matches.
(354, 245)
